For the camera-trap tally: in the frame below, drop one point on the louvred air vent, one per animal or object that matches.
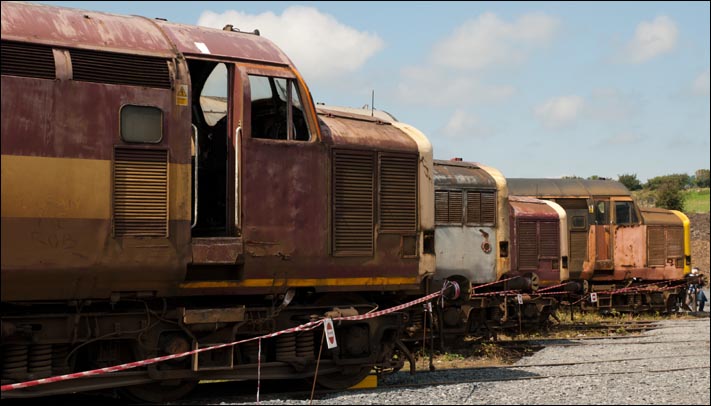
(441, 206)
(675, 242)
(527, 246)
(28, 60)
(353, 184)
(398, 193)
(140, 193)
(488, 208)
(549, 239)
(656, 246)
(120, 69)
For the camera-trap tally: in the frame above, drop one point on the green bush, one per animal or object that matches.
(669, 196)
(630, 181)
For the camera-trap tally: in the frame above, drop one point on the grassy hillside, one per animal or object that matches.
(696, 200)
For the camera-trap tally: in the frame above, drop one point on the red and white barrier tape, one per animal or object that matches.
(499, 293)
(304, 327)
(494, 283)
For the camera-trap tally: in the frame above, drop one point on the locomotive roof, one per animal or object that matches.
(343, 129)
(540, 187)
(529, 207)
(657, 216)
(75, 28)
(462, 174)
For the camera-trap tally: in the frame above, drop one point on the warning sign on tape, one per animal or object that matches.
(330, 333)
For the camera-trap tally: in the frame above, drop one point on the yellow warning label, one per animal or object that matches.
(181, 97)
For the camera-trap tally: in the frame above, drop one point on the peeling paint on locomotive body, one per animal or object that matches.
(535, 240)
(59, 164)
(335, 121)
(58, 139)
(665, 244)
(622, 241)
(503, 262)
(564, 244)
(466, 247)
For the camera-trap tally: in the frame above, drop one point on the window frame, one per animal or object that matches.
(121, 127)
(291, 84)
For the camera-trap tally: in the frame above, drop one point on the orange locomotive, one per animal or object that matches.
(138, 220)
(634, 259)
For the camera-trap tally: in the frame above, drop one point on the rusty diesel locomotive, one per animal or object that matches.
(633, 259)
(498, 248)
(169, 187)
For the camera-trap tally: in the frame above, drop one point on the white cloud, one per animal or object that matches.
(487, 41)
(701, 83)
(319, 45)
(435, 86)
(652, 38)
(560, 111)
(462, 124)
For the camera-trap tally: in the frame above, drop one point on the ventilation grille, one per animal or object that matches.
(353, 203)
(578, 250)
(441, 206)
(656, 245)
(140, 193)
(527, 246)
(398, 193)
(675, 242)
(455, 207)
(474, 207)
(448, 207)
(549, 239)
(488, 208)
(28, 60)
(120, 69)
(481, 208)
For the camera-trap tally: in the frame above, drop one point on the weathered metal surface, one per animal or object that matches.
(655, 216)
(539, 187)
(228, 315)
(630, 246)
(209, 42)
(341, 130)
(535, 239)
(462, 174)
(503, 260)
(425, 185)
(217, 250)
(564, 243)
(82, 29)
(467, 222)
(460, 252)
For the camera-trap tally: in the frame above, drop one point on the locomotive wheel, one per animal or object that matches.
(159, 392)
(348, 375)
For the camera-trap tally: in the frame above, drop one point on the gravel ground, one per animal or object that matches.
(668, 365)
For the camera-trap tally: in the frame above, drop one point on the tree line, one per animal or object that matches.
(667, 189)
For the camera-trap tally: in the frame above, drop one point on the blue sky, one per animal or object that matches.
(535, 89)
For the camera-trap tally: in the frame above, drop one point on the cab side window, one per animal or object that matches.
(624, 213)
(277, 110)
(602, 216)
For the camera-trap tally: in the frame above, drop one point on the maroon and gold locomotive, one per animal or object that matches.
(168, 187)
